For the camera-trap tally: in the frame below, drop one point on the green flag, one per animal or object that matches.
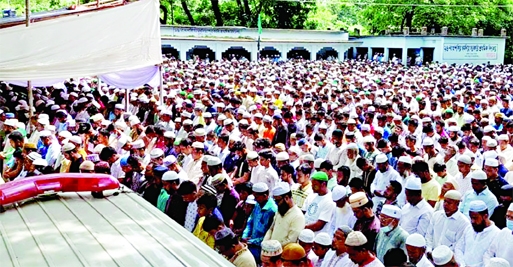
(259, 25)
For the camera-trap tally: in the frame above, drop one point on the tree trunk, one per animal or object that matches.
(247, 10)
(217, 12)
(409, 17)
(241, 10)
(187, 12)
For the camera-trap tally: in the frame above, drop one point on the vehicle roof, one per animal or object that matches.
(75, 229)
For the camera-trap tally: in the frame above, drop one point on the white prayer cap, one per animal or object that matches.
(338, 192)
(170, 176)
(365, 127)
(368, 139)
(45, 133)
(199, 132)
(503, 137)
(198, 145)
(252, 155)
(98, 148)
(214, 161)
(478, 175)
(477, 206)
(453, 194)
(281, 189)
(169, 160)
(156, 152)
(381, 158)
(356, 239)
(138, 144)
(323, 239)
(428, 142)
(465, 159)
(306, 235)
(65, 134)
(282, 156)
(491, 162)
(416, 240)
(491, 143)
(260, 187)
(405, 159)
(413, 184)
(358, 199)
(318, 162)
(169, 134)
(490, 154)
(498, 262)
(488, 129)
(391, 211)
(442, 255)
(510, 208)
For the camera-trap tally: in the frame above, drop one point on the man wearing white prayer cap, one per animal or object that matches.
(289, 220)
(391, 235)
(416, 251)
(443, 256)
(494, 180)
(474, 243)
(502, 246)
(358, 251)
(417, 212)
(343, 214)
(480, 192)
(463, 177)
(384, 175)
(448, 220)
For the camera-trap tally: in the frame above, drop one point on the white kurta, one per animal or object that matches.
(443, 230)
(464, 183)
(502, 247)
(416, 219)
(471, 248)
(193, 170)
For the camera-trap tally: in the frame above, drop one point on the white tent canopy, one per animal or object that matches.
(112, 40)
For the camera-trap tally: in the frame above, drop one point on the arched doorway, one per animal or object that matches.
(237, 52)
(201, 51)
(170, 51)
(327, 53)
(298, 53)
(270, 52)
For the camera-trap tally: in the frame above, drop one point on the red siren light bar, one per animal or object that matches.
(62, 182)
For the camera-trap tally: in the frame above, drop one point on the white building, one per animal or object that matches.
(224, 42)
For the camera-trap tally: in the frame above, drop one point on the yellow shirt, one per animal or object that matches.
(286, 229)
(431, 190)
(202, 235)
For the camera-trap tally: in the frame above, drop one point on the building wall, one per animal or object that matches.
(218, 46)
(243, 32)
(449, 49)
(459, 49)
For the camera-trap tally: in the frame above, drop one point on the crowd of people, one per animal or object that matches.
(295, 163)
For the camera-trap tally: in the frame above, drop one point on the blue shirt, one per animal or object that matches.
(486, 196)
(259, 222)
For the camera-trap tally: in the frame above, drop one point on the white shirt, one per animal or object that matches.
(342, 216)
(464, 184)
(319, 208)
(415, 219)
(501, 247)
(424, 262)
(443, 230)
(193, 170)
(471, 248)
(53, 153)
(265, 175)
(381, 181)
(452, 167)
(332, 260)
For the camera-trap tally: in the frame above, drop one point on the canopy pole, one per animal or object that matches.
(127, 96)
(29, 83)
(161, 95)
